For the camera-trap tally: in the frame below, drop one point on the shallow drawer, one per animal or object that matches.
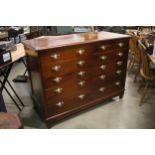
(110, 56)
(67, 53)
(58, 106)
(80, 76)
(68, 89)
(65, 71)
(116, 67)
(111, 45)
(102, 90)
(102, 78)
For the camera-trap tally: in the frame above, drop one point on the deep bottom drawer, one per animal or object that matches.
(67, 104)
(73, 102)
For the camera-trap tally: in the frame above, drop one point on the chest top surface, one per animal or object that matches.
(50, 42)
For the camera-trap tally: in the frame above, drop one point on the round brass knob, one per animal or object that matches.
(55, 56)
(81, 63)
(101, 89)
(81, 73)
(117, 83)
(102, 77)
(81, 83)
(60, 104)
(81, 96)
(81, 51)
(120, 54)
(57, 79)
(103, 47)
(58, 90)
(118, 72)
(103, 57)
(120, 44)
(119, 63)
(103, 67)
(56, 68)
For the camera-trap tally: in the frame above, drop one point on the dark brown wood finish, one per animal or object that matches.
(73, 72)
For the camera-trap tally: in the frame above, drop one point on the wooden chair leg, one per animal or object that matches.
(144, 93)
(130, 62)
(137, 73)
(131, 66)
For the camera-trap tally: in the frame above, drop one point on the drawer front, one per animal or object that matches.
(110, 56)
(66, 54)
(74, 77)
(102, 90)
(62, 72)
(75, 86)
(70, 87)
(111, 45)
(63, 105)
(80, 98)
(55, 80)
(103, 78)
(108, 68)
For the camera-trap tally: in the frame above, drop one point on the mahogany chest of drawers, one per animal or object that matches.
(73, 72)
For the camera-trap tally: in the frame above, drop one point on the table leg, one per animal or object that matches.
(2, 105)
(6, 76)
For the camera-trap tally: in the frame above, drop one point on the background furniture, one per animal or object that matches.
(134, 55)
(114, 29)
(73, 72)
(145, 70)
(10, 121)
(2, 105)
(3, 35)
(6, 69)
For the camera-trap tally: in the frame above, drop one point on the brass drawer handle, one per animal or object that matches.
(117, 83)
(102, 77)
(101, 89)
(81, 63)
(103, 67)
(60, 104)
(103, 47)
(103, 57)
(81, 73)
(81, 96)
(120, 44)
(57, 79)
(58, 90)
(120, 54)
(119, 63)
(81, 51)
(56, 68)
(81, 83)
(55, 56)
(118, 72)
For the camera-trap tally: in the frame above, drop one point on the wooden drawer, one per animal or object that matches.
(110, 56)
(64, 105)
(60, 55)
(107, 68)
(111, 45)
(65, 72)
(103, 78)
(103, 91)
(68, 89)
(54, 80)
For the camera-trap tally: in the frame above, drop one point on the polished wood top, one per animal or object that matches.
(50, 42)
